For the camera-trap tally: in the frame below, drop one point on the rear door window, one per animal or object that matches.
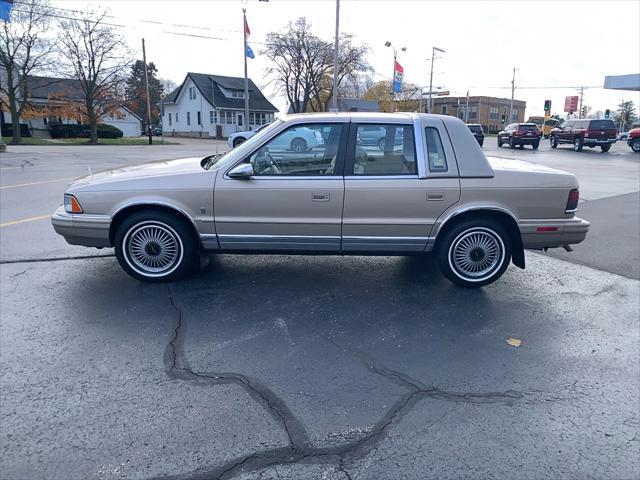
(385, 150)
(435, 151)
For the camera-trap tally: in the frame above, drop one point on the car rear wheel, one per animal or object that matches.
(499, 142)
(635, 145)
(577, 144)
(512, 144)
(535, 145)
(553, 141)
(605, 148)
(299, 145)
(238, 141)
(474, 253)
(155, 246)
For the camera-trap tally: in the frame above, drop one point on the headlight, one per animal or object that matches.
(71, 204)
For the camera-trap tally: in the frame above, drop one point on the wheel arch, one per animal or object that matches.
(123, 212)
(500, 215)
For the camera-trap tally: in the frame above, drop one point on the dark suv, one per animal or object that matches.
(477, 131)
(585, 133)
(520, 134)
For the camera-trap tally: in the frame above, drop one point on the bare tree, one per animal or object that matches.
(24, 49)
(97, 56)
(302, 65)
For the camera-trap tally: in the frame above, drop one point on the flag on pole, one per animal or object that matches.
(249, 52)
(398, 75)
(5, 10)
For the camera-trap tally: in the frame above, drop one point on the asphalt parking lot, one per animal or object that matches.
(317, 367)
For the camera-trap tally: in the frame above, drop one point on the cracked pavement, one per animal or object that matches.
(313, 367)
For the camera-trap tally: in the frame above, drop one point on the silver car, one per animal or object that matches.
(430, 189)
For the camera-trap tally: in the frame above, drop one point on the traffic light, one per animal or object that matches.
(547, 106)
(584, 112)
(607, 113)
(504, 117)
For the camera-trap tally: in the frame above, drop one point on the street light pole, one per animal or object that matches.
(513, 89)
(334, 99)
(395, 59)
(433, 56)
(246, 77)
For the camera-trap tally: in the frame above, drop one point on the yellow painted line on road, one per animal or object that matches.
(34, 183)
(25, 220)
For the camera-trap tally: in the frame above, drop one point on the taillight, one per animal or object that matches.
(572, 201)
(586, 134)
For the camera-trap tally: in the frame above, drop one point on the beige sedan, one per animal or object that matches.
(425, 186)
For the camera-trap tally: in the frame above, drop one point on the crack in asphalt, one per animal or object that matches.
(54, 259)
(299, 449)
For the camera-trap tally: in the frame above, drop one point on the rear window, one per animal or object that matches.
(602, 125)
(528, 128)
(475, 128)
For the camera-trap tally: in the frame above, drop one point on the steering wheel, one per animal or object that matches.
(275, 166)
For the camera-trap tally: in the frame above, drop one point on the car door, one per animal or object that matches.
(565, 132)
(392, 197)
(292, 202)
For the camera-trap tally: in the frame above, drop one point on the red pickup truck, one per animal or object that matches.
(633, 140)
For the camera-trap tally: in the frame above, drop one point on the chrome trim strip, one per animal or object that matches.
(419, 140)
(223, 236)
(381, 177)
(382, 239)
(279, 242)
(209, 241)
(289, 177)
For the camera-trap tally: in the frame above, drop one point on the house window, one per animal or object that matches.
(237, 93)
(443, 109)
(212, 117)
(227, 117)
(188, 118)
(199, 119)
(473, 112)
(252, 119)
(239, 117)
(192, 93)
(493, 113)
(514, 115)
(169, 119)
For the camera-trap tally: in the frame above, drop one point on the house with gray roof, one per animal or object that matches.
(213, 106)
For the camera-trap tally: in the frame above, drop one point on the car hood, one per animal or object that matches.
(155, 169)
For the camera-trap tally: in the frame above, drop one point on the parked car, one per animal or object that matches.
(436, 193)
(585, 133)
(520, 134)
(477, 131)
(237, 138)
(157, 131)
(376, 135)
(624, 136)
(634, 139)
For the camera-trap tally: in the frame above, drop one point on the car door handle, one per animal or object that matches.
(320, 196)
(435, 196)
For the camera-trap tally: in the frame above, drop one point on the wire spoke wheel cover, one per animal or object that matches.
(153, 249)
(476, 254)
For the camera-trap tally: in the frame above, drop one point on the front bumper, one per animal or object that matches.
(537, 234)
(82, 229)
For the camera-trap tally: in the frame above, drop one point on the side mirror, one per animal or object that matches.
(244, 171)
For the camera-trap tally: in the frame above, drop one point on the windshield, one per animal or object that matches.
(219, 158)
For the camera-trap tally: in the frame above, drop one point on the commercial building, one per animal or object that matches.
(487, 111)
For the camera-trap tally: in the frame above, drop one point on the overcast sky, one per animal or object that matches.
(551, 43)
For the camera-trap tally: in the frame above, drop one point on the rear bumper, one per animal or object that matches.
(82, 229)
(538, 234)
(597, 141)
(526, 140)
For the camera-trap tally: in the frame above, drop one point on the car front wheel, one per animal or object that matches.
(535, 145)
(155, 246)
(299, 145)
(512, 144)
(238, 141)
(499, 142)
(474, 253)
(635, 145)
(605, 148)
(553, 141)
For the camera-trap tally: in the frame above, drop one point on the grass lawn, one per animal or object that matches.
(84, 141)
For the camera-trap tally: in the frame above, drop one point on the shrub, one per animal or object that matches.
(83, 131)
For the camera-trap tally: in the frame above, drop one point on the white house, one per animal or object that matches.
(213, 106)
(50, 102)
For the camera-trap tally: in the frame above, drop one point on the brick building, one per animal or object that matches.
(487, 111)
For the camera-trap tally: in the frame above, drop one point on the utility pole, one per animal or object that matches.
(580, 108)
(393, 77)
(246, 78)
(334, 99)
(513, 91)
(146, 81)
(466, 110)
(433, 56)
